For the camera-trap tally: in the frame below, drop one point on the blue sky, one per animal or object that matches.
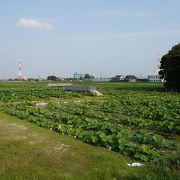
(61, 37)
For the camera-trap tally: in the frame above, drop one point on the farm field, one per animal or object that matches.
(136, 121)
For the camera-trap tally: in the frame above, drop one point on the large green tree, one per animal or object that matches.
(170, 68)
(52, 78)
(88, 76)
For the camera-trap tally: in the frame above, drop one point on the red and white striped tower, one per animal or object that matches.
(158, 64)
(19, 75)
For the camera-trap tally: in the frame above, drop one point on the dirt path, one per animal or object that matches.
(17, 132)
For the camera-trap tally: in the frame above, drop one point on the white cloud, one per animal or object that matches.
(34, 24)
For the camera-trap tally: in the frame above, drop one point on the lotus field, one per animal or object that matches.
(141, 121)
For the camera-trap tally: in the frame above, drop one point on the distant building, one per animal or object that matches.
(142, 79)
(154, 78)
(117, 78)
(78, 76)
(130, 78)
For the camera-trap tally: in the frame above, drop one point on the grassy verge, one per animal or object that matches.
(31, 152)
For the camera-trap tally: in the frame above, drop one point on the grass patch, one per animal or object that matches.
(31, 152)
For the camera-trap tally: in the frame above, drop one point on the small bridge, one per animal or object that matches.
(79, 88)
(70, 87)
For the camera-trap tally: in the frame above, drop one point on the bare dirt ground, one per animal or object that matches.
(17, 132)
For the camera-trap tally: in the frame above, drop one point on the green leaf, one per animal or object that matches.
(157, 138)
(122, 143)
(146, 149)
